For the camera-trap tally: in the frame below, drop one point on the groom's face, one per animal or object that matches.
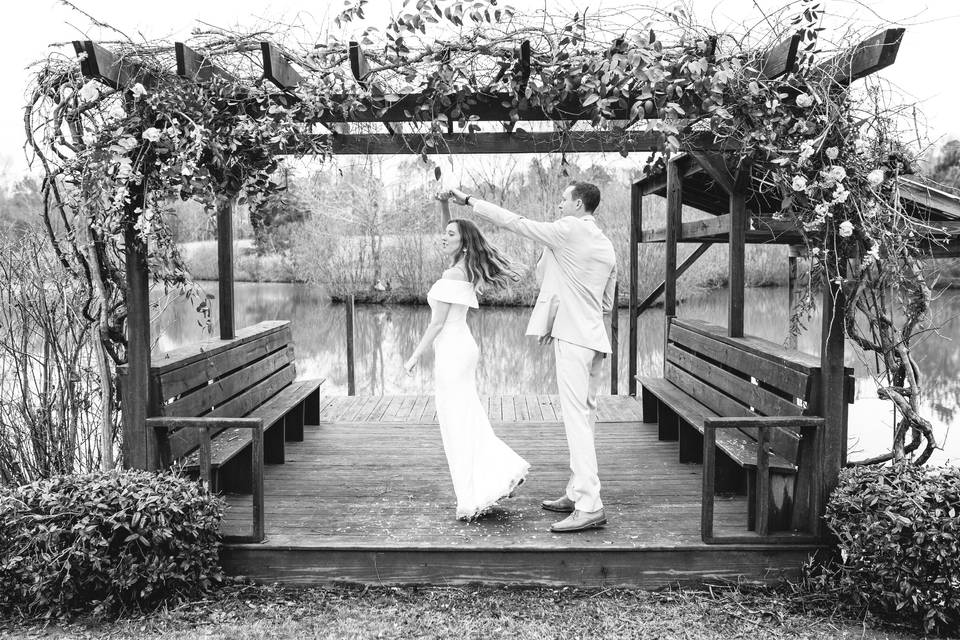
(568, 206)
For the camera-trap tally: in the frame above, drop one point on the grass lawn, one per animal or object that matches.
(248, 612)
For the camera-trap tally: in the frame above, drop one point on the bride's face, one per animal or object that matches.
(450, 243)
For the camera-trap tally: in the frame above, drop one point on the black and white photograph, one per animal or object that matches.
(480, 319)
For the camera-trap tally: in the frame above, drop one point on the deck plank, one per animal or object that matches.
(379, 492)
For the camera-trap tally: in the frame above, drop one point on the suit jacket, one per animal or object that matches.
(577, 274)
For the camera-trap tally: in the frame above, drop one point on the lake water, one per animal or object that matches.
(514, 364)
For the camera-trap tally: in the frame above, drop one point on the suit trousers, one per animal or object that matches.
(578, 381)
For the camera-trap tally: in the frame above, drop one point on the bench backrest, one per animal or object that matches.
(742, 377)
(221, 378)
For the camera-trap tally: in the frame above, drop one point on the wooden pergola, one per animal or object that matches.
(709, 177)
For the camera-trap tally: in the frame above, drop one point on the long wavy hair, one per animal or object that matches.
(484, 263)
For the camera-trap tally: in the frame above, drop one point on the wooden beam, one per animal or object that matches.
(225, 208)
(780, 59)
(658, 182)
(873, 54)
(653, 295)
(674, 220)
(101, 64)
(713, 227)
(198, 67)
(277, 69)
(488, 142)
(139, 443)
(717, 168)
(831, 444)
(358, 63)
(636, 227)
(524, 67)
(737, 256)
(930, 198)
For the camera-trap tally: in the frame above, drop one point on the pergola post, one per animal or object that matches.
(225, 209)
(140, 449)
(792, 272)
(738, 234)
(832, 439)
(636, 217)
(674, 219)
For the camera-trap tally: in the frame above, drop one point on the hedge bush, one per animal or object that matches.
(106, 542)
(898, 531)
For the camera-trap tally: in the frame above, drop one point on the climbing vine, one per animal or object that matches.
(119, 157)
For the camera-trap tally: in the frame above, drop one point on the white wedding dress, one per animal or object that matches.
(483, 468)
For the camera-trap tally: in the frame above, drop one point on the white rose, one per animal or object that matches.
(138, 90)
(846, 229)
(152, 134)
(806, 150)
(804, 101)
(822, 209)
(875, 178)
(90, 91)
(838, 173)
(815, 251)
(840, 194)
(832, 153)
(127, 143)
(799, 183)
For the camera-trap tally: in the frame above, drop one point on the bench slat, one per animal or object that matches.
(182, 441)
(777, 375)
(232, 441)
(763, 402)
(798, 360)
(736, 444)
(220, 391)
(705, 394)
(188, 354)
(174, 382)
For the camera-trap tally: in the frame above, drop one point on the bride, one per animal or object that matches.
(484, 469)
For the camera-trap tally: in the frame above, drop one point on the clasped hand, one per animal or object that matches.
(453, 194)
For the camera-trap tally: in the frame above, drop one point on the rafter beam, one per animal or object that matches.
(873, 54)
(101, 64)
(277, 69)
(491, 142)
(198, 67)
(780, 59)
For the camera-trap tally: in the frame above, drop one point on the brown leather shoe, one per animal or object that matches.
(561, 505)
(580, 521)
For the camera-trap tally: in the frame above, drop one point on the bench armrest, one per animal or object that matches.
(205, 424)
(172, 422)
(763, 422)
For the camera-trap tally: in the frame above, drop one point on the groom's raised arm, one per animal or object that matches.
(552, 234)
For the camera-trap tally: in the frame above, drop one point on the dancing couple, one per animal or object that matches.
(577, 275)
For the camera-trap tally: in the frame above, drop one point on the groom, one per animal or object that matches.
(577, 273)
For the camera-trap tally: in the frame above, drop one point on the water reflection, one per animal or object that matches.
(512, 363)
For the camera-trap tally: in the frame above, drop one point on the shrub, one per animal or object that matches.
(106, 542)
(898, 529)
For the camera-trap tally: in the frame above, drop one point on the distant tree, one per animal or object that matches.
(274, 218)
(945, 168)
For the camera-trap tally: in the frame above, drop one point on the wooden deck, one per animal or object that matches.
(366, 497)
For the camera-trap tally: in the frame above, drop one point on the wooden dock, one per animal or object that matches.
(366, 497)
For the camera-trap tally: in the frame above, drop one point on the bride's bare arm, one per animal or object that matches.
(437, 318)
(444, 213)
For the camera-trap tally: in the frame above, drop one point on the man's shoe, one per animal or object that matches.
(563, 505)
(579, 521)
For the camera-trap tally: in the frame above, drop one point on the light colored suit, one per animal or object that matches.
(577, 273)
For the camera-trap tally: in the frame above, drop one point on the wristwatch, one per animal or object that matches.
(466, 201)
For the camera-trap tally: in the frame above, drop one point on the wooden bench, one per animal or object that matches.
(756, 403)
(243, 394)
